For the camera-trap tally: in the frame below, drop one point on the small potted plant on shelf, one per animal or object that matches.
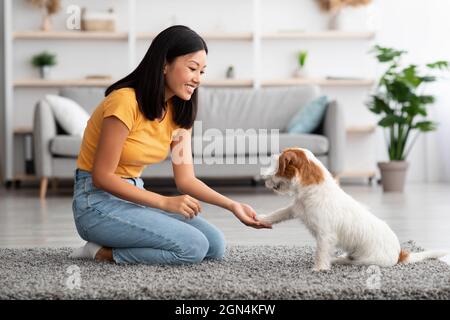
(49, 8)
(301, 71)
(44, 61)
(402, 105)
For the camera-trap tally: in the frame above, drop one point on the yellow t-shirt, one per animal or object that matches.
(147, 143)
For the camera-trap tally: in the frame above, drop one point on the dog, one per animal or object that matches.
(334, 218)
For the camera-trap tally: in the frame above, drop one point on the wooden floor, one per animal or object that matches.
(421, 214)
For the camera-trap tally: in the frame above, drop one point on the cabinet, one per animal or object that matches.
(259, 37)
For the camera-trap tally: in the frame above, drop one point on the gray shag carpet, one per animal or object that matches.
(247, 272)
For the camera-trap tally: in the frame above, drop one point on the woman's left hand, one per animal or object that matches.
(247, 216)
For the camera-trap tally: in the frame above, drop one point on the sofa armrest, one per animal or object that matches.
(44, 130)
(334, 130)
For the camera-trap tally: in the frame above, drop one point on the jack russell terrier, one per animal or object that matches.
(334, 218)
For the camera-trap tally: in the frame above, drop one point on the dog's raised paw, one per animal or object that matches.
(321, 269)
(264, 218)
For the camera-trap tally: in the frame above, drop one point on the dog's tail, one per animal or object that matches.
(411, 257)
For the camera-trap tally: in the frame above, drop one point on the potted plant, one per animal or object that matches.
(402, 105)
(44, 61)
(230, 72)
(49, 8)
(301, 71)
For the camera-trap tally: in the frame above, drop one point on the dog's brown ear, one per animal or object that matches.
(287, 164)
(295, 161)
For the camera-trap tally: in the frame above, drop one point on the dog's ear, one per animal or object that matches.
(287, 164)
(295, 161)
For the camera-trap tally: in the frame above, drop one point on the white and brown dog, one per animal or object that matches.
(334, 218)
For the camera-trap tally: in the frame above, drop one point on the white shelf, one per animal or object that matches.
(357, 174)
(40, 83)
(227, 83)
(23, 130)
(317, 81)
(319, 35)
(232, 36)
(69, 35)
(361, 129)
(37, 83)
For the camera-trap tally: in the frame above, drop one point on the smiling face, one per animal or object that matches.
(183, 74)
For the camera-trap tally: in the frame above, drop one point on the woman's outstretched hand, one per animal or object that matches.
(247, 216)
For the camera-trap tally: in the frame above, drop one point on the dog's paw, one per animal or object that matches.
(264, 218)
(321, 268)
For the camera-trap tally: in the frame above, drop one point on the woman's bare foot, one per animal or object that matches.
(104, 254)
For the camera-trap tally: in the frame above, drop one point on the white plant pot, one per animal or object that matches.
(301, 73)
(44, 72)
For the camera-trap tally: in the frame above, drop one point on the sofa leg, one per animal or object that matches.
(43, 190)
(54, 184)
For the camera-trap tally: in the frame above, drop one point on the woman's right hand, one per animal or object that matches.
(184, 205)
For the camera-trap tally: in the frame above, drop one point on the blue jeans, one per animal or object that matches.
(141, 234)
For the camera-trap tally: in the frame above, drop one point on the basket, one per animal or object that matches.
(98, 21)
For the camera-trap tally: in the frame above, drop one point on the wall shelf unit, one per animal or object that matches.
(250, 37)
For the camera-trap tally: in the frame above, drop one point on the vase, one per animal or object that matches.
(335, 20)
(44, 72)
(46, 23)
(301, 72)
(393, 175)
(350, 18)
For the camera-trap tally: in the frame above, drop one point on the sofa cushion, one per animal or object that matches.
(310, 117)
(266, 108)
(65, 145)
(68, 114)
(254, 145)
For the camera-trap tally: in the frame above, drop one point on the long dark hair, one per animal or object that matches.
(147, 79)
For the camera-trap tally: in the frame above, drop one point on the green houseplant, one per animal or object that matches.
(44, 61)
(400, 102)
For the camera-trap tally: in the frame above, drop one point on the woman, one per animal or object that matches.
(142, 116)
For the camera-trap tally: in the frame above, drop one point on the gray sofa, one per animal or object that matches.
(226, 118)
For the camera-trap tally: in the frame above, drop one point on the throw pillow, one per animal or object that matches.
(308, 118)
(69, 114)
